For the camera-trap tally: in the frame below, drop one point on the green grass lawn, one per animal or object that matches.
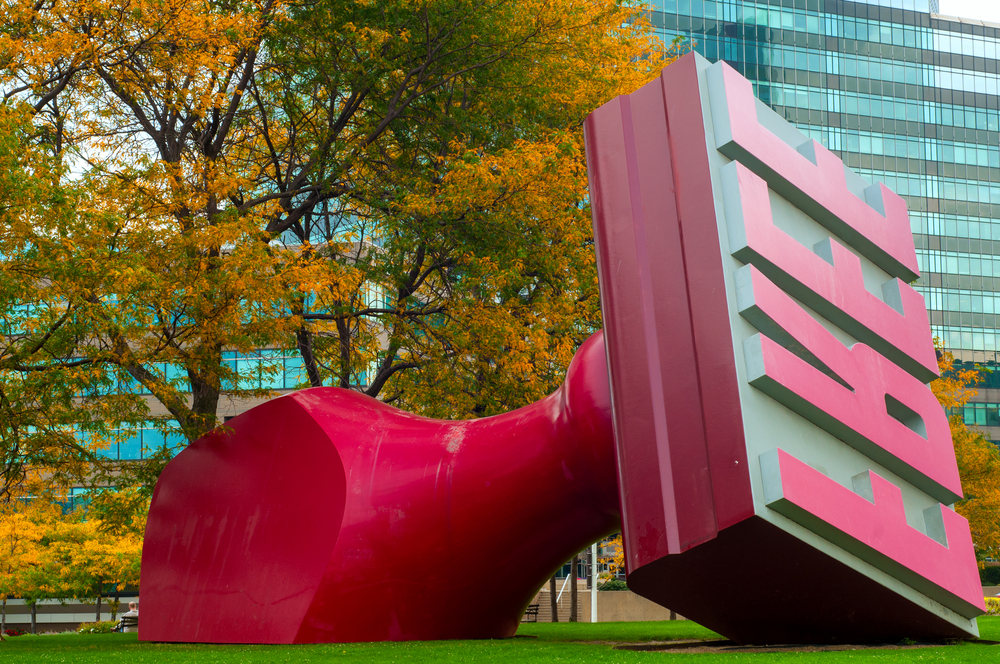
(562, 642)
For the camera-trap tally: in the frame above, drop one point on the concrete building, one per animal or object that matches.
(903, 95)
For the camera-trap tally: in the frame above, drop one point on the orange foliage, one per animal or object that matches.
(615, 554)
(978, 459)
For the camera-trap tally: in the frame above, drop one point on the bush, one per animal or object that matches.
(613, 584)
(104, 627)
(990, 576)
(992, 606)
(14, 632)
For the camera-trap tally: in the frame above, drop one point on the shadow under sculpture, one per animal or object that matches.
(328, 516)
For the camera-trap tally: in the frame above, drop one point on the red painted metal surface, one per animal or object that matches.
(706, 286)
(878, 226)
(692, 429)
(856, 411)
(831, 284)
(326, 515)
(872, 524)
(681, 456)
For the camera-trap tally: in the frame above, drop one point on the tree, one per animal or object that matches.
(49, 553)
(26, 528)
(92, 547)
(614, 555)
(21, 531)
(465, 171)
(47, 396)
(395, 189)
(553, 602)
(978, 458)
(115, 554)
(573, 590)
(133, 105)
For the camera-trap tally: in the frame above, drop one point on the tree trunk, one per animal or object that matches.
(97, 613)
(204, 400)
(303, 339)
(3, 616)
(552, 599)
(673, 614)
(572, 588)
(34, 616)
(114, 607)
(344, 335)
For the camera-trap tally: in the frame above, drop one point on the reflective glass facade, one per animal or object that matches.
(903, 96)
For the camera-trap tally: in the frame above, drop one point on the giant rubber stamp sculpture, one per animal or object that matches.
(784, 474)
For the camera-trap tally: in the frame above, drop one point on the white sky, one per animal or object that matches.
(987, 10)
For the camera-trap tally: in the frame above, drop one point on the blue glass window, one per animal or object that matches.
(130, 446)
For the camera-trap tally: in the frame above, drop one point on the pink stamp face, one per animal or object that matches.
(785, 471)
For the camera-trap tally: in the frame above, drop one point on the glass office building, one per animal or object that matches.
(903, 95)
